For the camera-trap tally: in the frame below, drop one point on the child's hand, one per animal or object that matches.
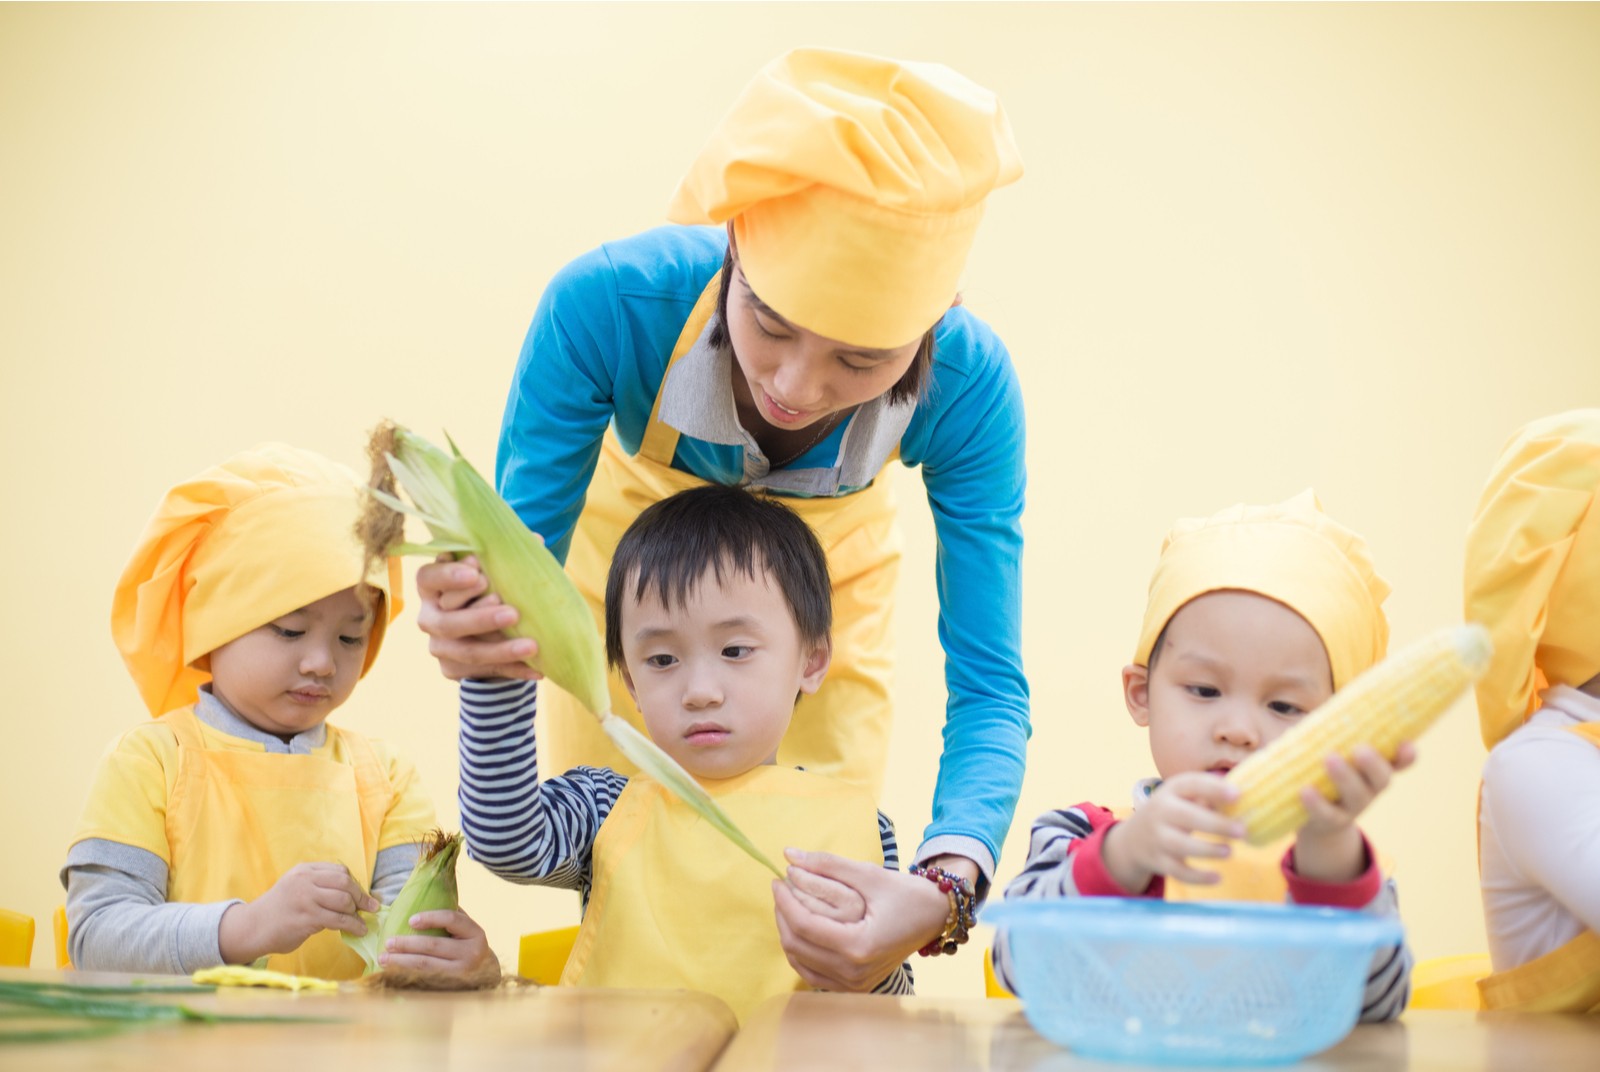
(1329, 848)
(1161, 836)
(307, 899)
(464, 953)
(463, 620)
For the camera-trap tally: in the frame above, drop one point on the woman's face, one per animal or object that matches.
(794, 377)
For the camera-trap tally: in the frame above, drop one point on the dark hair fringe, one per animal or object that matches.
(674, 544)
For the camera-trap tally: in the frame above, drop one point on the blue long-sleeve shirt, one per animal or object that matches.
(595, 356)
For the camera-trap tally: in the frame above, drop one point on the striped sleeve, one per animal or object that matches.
(521, 828)
(1389, 978)
(900, 982)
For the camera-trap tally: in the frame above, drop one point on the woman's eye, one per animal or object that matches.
(761, 327)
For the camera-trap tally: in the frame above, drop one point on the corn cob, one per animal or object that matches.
(431, 888)
(466, 516)
(1390, 703)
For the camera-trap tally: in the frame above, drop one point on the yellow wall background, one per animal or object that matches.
(1257, 248)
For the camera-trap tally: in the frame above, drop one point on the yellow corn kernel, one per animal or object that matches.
(1392, 702)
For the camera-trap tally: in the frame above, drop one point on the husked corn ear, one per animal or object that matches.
(1392, 702)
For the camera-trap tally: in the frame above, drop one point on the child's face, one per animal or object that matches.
(717, 679)
(1234, 671)
(287, 676)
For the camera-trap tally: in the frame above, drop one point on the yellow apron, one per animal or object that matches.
(236, 821)
(675, 906)
(843, 729)
(1566, 979)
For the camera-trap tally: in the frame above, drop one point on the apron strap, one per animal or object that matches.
(661, 440)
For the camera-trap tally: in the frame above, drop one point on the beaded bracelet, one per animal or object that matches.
(963, 908)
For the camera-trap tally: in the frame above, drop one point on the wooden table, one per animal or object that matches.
(519, 1028)
(843, 1031)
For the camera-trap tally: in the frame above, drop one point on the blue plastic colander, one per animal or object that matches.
(1217, 982)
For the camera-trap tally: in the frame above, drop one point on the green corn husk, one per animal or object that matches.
(466, 516)
(34, 1012)
(431, 888)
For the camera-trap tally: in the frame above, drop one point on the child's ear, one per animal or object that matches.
(1136, 692)
(816, 666)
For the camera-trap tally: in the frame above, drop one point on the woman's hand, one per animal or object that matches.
(1178, 822)
(464, 953)
(899, 914)
(464, 623)
(1330, 848)
(307, 899)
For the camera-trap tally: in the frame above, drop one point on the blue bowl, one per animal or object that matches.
(1217, 982)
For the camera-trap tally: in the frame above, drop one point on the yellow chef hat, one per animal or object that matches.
(1533, 567)
(266, 532)
(1290, 552)
(855, 185)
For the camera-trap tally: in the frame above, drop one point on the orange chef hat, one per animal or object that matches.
(266, 532)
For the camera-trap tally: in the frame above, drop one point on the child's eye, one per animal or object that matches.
(659, 662)
(1204, 692)
(352, 641)
(860, 369)
(736, 651)
(288, 634)
(1285, 708)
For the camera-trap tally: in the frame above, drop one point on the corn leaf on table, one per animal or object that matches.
(839, 1032)
(484, 1031)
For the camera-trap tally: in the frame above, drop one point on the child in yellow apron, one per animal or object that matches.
(1533, 577)
(718, 616)
(1255, 617)
(238, 824)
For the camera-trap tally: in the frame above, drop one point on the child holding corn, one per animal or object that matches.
(1255, 617)
(1533, 577)
(718, 615)
(238, 824)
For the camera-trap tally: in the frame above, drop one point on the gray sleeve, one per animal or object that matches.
(393, 866)
(118, 918)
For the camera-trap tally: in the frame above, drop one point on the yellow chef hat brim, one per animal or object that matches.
(1290, 552)
(265, 533)
(855, 185)
(1532, 567)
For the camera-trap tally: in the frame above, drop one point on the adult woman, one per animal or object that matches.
(795, 351)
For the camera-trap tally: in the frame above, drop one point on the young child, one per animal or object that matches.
(1533, 577)
(238, 824)
(718, 614)
(1256, 616)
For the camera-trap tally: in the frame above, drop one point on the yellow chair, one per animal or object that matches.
(991, 985)
(16, 939)
(1449, 982)
(58, 923)
(542, 954)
